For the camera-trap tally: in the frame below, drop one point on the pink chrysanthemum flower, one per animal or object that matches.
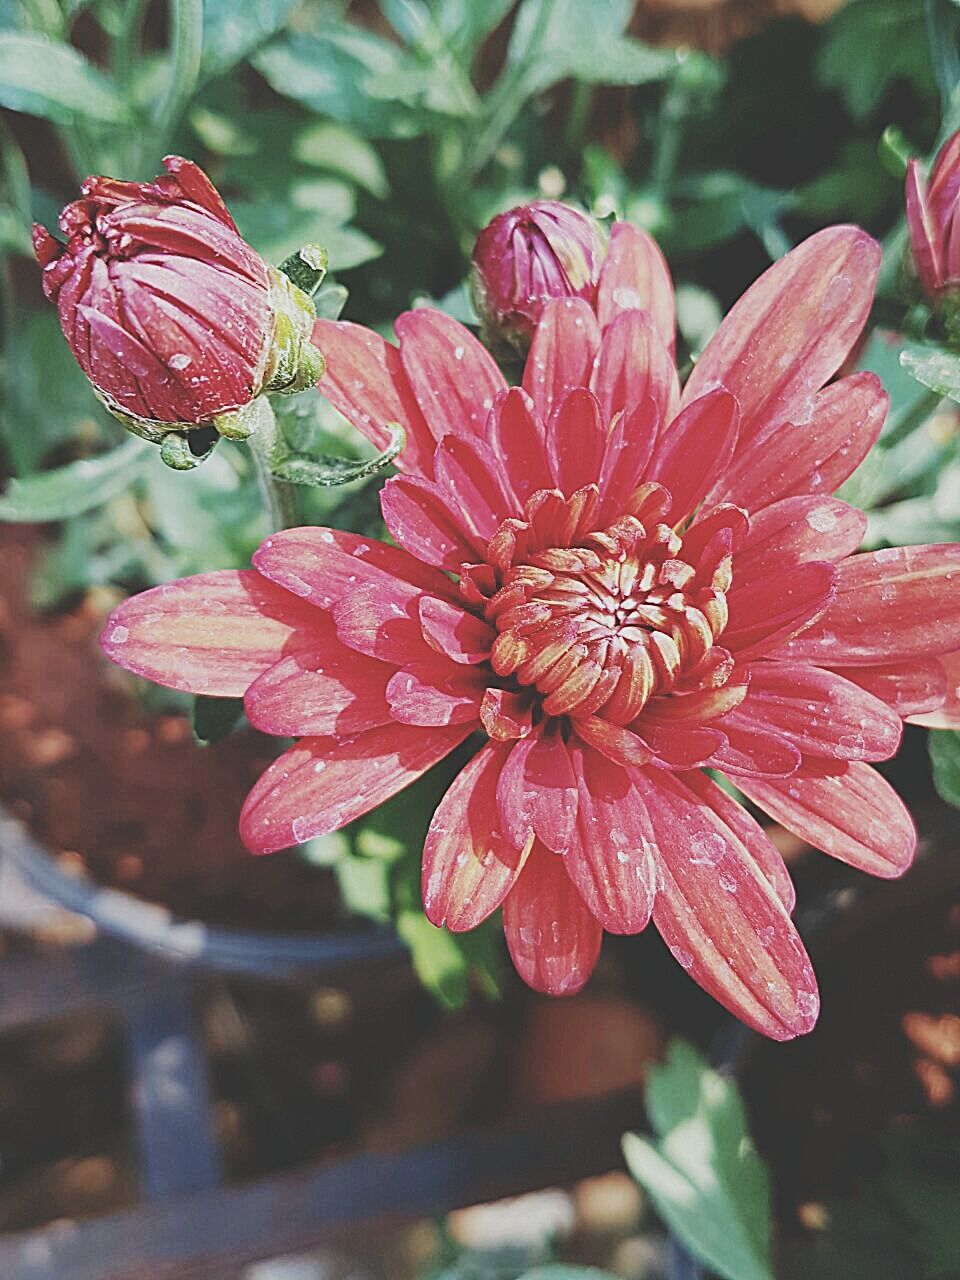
(618, 585)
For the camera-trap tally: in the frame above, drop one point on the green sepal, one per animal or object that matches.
(306, 268)
(327, 472)
(293, 362)
(178, 453)
(238, 423)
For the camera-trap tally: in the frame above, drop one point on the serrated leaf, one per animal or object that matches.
(326, 473)
(702, 1171)
(935, 367)
(945, 758)
(46, 78)
(212, 719)
(75, 488)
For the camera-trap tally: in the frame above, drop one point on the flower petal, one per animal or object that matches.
(791, 330)
(847, 810)
(721, 918)
(891, 605)
(321, 784)
(634, 364)
(611, 861)
(565, 343)
(432, 693)
(462, 636)
(693, 449)
(324, 689)
(468, 866)
(213, 633)
(923, 237)
(517, 437)
(553, 939)
(754, 749)
(453, 377)
(470, 475)
(794, 531)
(576, 442)
(910, 688)
(765, 610)
(364, 380)
(751, 835)
(819, 712)
(815, 454)
(324, 564)
(537, 792)
(420, 519)
(635, 276)
(382, 621)
(630, 443)
(948, 715)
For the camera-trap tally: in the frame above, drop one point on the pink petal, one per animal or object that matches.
(754, 749)
(470, 476)
(321, 784)
(611, 861)
(679, 746)
(819, 712)
(910, 688)
(434, 693)
(635, 276)
(721, 918)
(694, 449)
(454, 378)
(468, 866)
(553, 939)
(634, 365)
(630, 443)
(847, 810)
(561, 355)
(891, 605)
(817, 454)
(948, 715)
(324, 564)
(213, 633)
(923, 236)
(576, 441)
(766, 610)
(791, 330)
(423, 523)
(517, 437)
(794, 531)
(364, 380)
(324, 689)
(505, 715)
(462, 636)
(751, 835)
(382, 621)
(537, 792)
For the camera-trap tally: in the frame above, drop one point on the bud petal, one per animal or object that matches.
(528, 256)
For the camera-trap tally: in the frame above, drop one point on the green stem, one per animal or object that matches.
(186, 48)
(266, 447)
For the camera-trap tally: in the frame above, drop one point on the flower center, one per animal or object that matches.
(599, 622)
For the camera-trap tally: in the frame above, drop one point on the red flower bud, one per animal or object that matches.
(933, 217)
(175, 320)
(528, 256)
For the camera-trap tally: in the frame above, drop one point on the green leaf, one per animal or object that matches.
(232, 31)
(935, 367)
(703, 1172)
(46, 78)
(214, 718)
(945, 757)
(329, 472)
(564, 1271)
(333, 147)
(74, 488)
(871, 44)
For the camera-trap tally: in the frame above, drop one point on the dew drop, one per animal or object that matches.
(707, 849)
(822, 519)
(180, 361)
(119, 635)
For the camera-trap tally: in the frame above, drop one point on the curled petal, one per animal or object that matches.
(635, 276)
(553, 939)
(462, 636)
(846, 810)
(421, 520)
(923, 236)
(611, 861)
(468, 865)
